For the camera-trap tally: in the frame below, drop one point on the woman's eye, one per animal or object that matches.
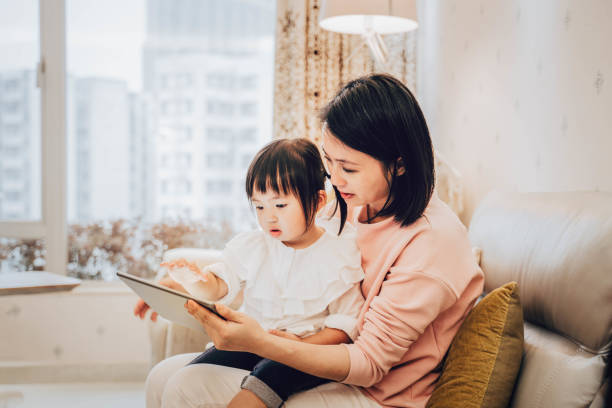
(259, 207)
(349, 170)
(281, 205)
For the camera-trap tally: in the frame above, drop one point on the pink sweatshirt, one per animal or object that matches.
(420, 283)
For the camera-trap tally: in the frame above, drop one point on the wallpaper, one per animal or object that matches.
(518, 94)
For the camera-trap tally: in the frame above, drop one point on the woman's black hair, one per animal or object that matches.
(291, 166)
(378, 115)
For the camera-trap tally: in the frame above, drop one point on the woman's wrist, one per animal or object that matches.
(264, 344)
(328, 361)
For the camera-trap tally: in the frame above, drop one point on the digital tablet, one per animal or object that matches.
(168, 303)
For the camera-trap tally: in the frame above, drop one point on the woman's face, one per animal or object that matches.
(360, 178)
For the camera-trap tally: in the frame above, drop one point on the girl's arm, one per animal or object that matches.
(326, 336)
(239, 332)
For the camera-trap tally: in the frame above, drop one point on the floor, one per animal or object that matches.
(73, 395)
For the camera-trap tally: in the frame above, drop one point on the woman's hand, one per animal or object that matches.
(140, 309)
(238, 332)
(285, 334)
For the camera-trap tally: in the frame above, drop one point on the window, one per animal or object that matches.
(11, 85)
(220, 80)
(176, 187)
(248, 109)
(246, 160)
(222, 135)
(177, 107)
(176, 134)
(131, 72)
(219, 160)
(218, 186)
(248, 82)
(219, 108)
(20, 139)
(220, 214)
(248, 135)
(176, 161)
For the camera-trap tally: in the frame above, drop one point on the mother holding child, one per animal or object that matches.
(321, 325)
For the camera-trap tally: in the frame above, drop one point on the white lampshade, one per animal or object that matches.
(381, 16)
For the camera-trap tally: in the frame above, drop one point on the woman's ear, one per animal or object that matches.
(399, 167)
(322, 200)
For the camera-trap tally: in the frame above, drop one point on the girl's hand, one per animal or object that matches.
(238, 332)
(285, 334)
(182, 263)
(140, 310)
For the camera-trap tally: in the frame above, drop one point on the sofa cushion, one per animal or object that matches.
(558, 247)
(484, 358)
(556, 373)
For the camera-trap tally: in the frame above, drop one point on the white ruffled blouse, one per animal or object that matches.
(297, 290)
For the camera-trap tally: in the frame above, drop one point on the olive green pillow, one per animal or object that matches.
(484, 358)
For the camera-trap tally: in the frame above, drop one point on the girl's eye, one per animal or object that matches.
(349, 171)
(281, 205)
(259, 207)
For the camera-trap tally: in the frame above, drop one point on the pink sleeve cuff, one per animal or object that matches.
(357, 361)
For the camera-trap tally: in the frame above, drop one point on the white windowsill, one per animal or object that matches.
(47, 279)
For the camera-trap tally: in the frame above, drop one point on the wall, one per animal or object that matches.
(87, 334)
(518, 94)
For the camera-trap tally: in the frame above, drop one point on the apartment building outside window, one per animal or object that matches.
(154, 112)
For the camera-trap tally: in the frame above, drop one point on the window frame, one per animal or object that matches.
(51, 80)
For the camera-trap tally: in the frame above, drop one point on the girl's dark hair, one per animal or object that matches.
(291, 166)
(378, 115)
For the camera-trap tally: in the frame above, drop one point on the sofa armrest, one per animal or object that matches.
(169, 339)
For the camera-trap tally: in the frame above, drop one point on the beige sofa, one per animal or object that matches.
(558, 247)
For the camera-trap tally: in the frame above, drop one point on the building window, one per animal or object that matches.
(11, 85)
(248, 82)
(248, 109)
(219, 135)
(220, 80)
(248, 135)
(246, 160)
(219, 108)
(219, 160)
(218, 186)
(220, 214)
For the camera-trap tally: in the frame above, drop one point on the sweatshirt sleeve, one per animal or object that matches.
(430, 275)
(407, 303)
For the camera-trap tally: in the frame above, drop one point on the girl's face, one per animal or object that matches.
(360, 178)
(281, 216)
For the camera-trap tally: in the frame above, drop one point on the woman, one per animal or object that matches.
(420, 282)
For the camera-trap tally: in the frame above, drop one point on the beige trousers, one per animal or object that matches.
(172, 384)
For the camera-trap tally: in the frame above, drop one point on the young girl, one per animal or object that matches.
(300, 276)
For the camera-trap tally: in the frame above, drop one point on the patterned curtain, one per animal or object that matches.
(312, 64)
